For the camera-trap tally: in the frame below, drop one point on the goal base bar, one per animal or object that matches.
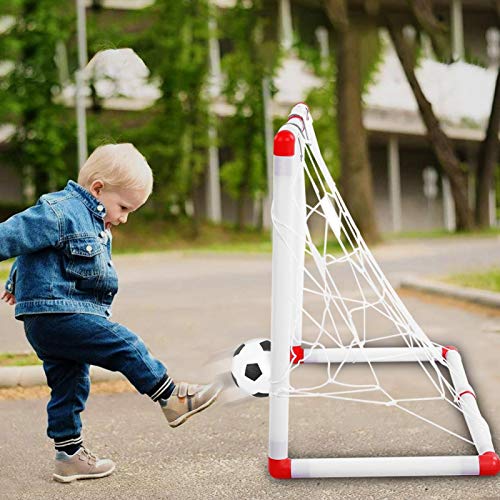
(487, 464)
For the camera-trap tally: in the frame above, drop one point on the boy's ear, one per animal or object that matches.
(96, 187)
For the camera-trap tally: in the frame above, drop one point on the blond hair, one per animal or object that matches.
(119, 166)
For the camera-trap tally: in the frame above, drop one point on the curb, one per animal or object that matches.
(29, 376)
(481, 297)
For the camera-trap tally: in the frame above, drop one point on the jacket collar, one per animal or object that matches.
(90, 201)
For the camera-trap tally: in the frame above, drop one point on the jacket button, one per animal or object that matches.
(89, 249)
(100, 208)
(110, 294)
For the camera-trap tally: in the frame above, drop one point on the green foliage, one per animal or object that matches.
(44, 129)
(175, 48)
(321, 100)
(323, 108)
(173, 39)
(307, 20)
(252, 59)
(372, 54)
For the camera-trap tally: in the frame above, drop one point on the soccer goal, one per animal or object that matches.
(333, 307)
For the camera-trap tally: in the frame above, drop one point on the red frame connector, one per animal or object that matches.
(489, 464)
(297, 354)
(280, 469)
(284, 143)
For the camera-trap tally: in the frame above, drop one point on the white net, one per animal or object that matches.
(350, 313)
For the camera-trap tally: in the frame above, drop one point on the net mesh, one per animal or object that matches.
(347, 304)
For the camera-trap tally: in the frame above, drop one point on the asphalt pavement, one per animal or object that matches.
(188, 308)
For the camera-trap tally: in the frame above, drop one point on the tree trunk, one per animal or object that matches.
(488, 160)
(356, 176)
(441, 144)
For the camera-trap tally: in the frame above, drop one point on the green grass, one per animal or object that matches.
(489, 280)
(154, 236)
(23, 359)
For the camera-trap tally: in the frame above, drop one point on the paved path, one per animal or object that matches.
(222, 453)
(188, 307)
(166, 295)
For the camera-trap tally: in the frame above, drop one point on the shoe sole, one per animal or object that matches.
(184, 417)
(76, 477)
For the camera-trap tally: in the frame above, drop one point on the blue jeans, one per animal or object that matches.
(67, 344)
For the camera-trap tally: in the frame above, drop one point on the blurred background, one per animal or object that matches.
(404, 94)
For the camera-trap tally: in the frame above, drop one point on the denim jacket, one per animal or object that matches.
(63, 255)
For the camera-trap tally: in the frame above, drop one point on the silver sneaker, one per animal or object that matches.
(82, 465)
(188, 399)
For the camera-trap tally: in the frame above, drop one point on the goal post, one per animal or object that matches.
(292, 242)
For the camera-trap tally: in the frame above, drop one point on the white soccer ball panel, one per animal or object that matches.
(251, 367)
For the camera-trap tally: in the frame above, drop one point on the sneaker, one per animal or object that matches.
(82, 465)
(188, 399)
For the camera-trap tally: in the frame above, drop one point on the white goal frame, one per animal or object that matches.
(287, 296)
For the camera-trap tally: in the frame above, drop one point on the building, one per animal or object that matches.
(409, 192)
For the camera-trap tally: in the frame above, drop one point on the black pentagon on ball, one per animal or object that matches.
(252, 371)
(238, 350)
(266, 345)
(260, 395)
(234, 380)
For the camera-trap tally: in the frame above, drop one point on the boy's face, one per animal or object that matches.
(119, 203)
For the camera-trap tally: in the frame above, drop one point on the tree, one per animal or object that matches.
(175, 48)
(322, 99)
(420, 13)
(441, 144)
(44, 129)
(251, 59)
(438, 32)
(356, 177)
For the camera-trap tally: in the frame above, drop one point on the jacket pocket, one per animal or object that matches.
(85, 258)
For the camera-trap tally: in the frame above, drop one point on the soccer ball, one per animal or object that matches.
(251, 367)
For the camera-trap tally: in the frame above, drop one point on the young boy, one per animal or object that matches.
(63, 283)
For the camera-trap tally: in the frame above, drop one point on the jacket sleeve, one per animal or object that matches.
(10, 285)
(30, 231)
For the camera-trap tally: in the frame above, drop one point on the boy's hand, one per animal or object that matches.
(8, 297)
